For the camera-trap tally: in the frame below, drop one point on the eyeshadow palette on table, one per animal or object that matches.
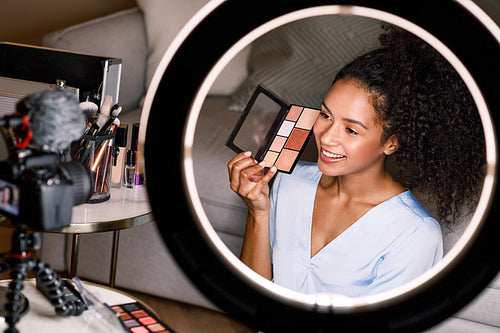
(109, 310)
(137, 319)
(273, 130)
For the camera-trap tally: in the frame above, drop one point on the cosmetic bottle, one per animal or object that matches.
(129, 170)
(119, 156)
(139, 178)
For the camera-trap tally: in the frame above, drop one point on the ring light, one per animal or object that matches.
(182, 81)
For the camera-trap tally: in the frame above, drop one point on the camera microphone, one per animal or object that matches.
(55, 119)
(45, 188)
(14, 121)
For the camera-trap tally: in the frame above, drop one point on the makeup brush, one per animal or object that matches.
(115, 112)
(103, 115)
(89, 109)
(105, 167)
(105, 111)
(100, 117)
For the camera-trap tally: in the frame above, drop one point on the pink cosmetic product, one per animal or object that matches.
(138, 177)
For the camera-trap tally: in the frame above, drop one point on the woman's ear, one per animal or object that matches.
(391, 145)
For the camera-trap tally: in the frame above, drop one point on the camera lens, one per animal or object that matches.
(82, 182)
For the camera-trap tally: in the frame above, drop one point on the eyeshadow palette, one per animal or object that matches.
(273, 130)
(137, 319)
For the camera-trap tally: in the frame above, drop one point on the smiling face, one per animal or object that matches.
(347, 133)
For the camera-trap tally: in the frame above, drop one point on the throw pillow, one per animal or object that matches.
(163, 20)
(299, 60)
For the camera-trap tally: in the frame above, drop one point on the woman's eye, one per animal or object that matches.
(324, 115)
(351, 131)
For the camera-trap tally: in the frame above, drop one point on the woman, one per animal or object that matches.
(346, 224)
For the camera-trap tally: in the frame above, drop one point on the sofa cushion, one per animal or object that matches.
(163, 21)
(225, 210)
(119, 35)
(299, 60)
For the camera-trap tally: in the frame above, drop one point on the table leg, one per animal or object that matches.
(74, 255)
(114, 258)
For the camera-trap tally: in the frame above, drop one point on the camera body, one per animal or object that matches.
(38, 191)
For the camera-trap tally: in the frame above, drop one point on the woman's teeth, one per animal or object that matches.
(331, 155)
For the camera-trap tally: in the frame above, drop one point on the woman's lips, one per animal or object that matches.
(330, 157)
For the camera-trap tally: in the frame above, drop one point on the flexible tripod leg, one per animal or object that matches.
(19, 263)
(14, 296)
(52, 284)
(4, 267)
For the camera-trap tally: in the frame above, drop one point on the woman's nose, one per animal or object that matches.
(331, 136)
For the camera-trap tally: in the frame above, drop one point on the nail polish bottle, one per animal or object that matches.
(129, 171)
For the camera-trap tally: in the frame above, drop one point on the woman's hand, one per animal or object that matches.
(249, 181)
(251, 184)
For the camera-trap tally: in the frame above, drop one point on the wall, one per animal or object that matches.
(27, 21)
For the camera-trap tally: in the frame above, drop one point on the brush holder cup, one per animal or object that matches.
(96, 152)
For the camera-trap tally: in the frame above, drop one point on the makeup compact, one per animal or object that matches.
(273, 130)
(135, 318)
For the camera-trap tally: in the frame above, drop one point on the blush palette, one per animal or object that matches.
(274, 131)
(137, 319)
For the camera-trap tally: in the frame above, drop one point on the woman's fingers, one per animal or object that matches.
(237, 158)
(262, 185)
(245, 173)
(239, 163)
(249, 180)
(269, 175)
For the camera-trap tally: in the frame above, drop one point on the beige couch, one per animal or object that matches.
(139, 36)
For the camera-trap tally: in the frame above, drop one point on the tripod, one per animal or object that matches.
(19, 262)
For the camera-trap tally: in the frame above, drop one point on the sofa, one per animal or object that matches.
(140, 36)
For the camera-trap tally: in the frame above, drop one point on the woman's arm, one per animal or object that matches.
(256, 251)
(252, 185)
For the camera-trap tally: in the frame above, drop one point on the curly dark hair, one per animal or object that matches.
(419, 97)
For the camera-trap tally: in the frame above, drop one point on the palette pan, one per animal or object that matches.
(273, 130)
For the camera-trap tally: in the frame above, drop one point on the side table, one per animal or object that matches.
(126, 208)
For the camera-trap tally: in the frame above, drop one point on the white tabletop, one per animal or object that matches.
(126, 208)
(42, 318)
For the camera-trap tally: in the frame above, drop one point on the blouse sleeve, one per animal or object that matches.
(273, 195)
(409, 258)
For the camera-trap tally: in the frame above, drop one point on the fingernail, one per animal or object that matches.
(273, 169)
(262, 163)
(247, 153)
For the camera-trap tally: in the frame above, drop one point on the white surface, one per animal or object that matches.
(42, 318)
(124, 203)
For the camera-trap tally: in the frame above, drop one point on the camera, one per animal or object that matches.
(37, 190)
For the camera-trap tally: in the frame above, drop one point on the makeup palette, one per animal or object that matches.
(137, 319)
(273, 130)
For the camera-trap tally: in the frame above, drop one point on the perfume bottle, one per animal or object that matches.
(129, 171)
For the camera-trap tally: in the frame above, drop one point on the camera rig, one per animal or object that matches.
(37, 192)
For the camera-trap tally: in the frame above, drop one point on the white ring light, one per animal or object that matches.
(323, 303)
(338, 302)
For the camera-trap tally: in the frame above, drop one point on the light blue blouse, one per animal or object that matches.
(391, 244)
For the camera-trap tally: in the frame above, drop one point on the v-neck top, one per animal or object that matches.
(390, 245)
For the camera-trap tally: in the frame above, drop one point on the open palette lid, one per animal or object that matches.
(273, 130)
